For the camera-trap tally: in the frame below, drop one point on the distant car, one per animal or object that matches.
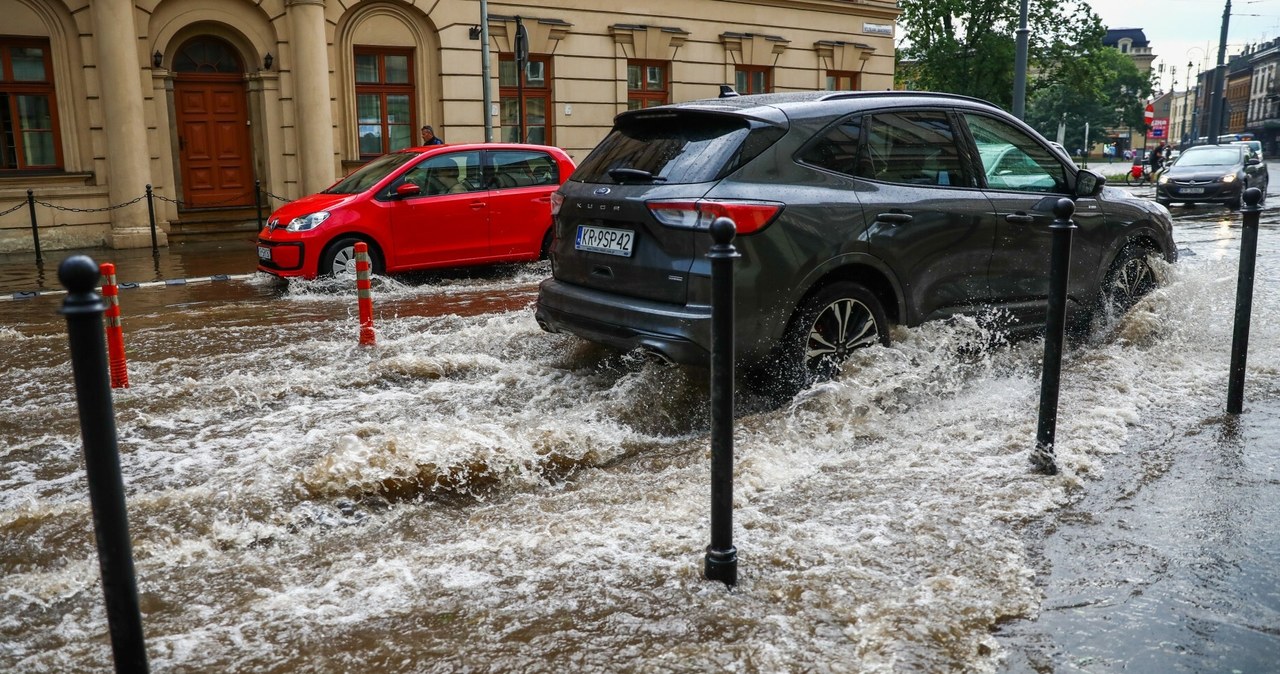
(422, 208)
(1255, 147)
(855, 211)
(1212, 174)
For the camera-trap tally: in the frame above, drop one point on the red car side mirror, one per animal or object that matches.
(408, 190)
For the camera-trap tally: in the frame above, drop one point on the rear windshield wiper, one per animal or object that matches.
(622, 175)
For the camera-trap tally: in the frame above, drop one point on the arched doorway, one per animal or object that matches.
(210, 106)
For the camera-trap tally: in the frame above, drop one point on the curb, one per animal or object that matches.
(32, 294)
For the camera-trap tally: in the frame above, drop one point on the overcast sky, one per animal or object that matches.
(1182, 31)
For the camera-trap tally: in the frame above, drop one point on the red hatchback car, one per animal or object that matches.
(420, 208)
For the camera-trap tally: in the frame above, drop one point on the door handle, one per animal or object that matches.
(1019, 218)
(477, 205)
(895, 218)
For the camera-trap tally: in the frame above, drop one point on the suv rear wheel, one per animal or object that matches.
(827, 326)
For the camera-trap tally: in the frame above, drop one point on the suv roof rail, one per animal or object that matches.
(898, 93)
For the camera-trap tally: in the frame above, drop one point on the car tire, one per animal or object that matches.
(826, 327)
(339, 258)
(1128, 280)
(545, 251)
(1234, 204)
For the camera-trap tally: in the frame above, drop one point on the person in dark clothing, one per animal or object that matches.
(1157, 157)
(429, 136)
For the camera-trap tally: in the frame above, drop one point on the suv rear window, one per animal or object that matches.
(676, 148)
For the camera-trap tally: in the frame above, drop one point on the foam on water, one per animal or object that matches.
(472, 494)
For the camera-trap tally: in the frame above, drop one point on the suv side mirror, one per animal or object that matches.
(407, 189)
(1089, 183)
(1252, 161)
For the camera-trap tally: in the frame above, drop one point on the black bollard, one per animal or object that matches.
(1055, 324)
(35, 229)
(257, 200)
(151, 214)
(722, 558)
(83, 308)
(1244, 298)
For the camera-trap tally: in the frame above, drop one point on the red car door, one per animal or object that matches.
(448, 222)
(520, 201)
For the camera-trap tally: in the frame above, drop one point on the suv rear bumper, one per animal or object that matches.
(678, 333)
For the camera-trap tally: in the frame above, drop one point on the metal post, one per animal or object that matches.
(522, 62)
(151, 214)
(1219, 80)
(1020, 64)
(484, 71)
(35, 230)
(83, 309)
(1244, 298)
(1054, 331)
(257, 199)
(722, 558)
(1187, 100)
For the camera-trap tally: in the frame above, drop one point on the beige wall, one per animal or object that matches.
(301, 111)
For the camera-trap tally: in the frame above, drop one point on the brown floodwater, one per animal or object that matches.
(472, 494)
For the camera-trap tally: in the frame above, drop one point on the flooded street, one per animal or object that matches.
(473, 494)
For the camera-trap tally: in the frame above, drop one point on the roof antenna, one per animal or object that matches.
(726, 91)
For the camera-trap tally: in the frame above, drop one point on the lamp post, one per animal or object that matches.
(1219, 79)
(1187, 101)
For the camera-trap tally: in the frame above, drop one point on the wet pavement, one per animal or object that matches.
(474, 495)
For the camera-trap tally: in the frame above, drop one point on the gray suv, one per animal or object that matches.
(854, 210)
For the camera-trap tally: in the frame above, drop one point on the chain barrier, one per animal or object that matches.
(89, 210)
(155, 195)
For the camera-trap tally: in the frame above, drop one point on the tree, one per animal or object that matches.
(967, 46)
(1100, 86)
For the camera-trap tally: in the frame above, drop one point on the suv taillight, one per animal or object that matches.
(557, 200)
(749, 216)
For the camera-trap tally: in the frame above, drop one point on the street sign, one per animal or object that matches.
(1149, 114)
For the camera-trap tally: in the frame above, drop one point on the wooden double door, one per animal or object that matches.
(214, 147)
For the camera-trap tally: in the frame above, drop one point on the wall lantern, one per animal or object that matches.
(473, 32)
(157, 58)
(267, 61)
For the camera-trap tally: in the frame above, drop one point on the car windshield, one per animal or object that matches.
(370, 174)
(1210, 157)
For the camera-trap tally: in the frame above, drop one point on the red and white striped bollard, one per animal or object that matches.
(115, 332)
(364, 293)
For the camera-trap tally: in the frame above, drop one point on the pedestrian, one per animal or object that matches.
(429, 136)
(1157, 158)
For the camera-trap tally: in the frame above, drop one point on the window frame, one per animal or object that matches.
(748, 70)
(855, 80)
(13, 89)
(644, 96)
(543, 93)
(382, 89)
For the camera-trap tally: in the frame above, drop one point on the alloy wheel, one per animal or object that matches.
(1131, 281)
(842, 326)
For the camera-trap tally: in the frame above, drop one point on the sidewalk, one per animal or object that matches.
(22, 276)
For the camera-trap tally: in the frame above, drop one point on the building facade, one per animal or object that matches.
(1264, 97)
(206, 100)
